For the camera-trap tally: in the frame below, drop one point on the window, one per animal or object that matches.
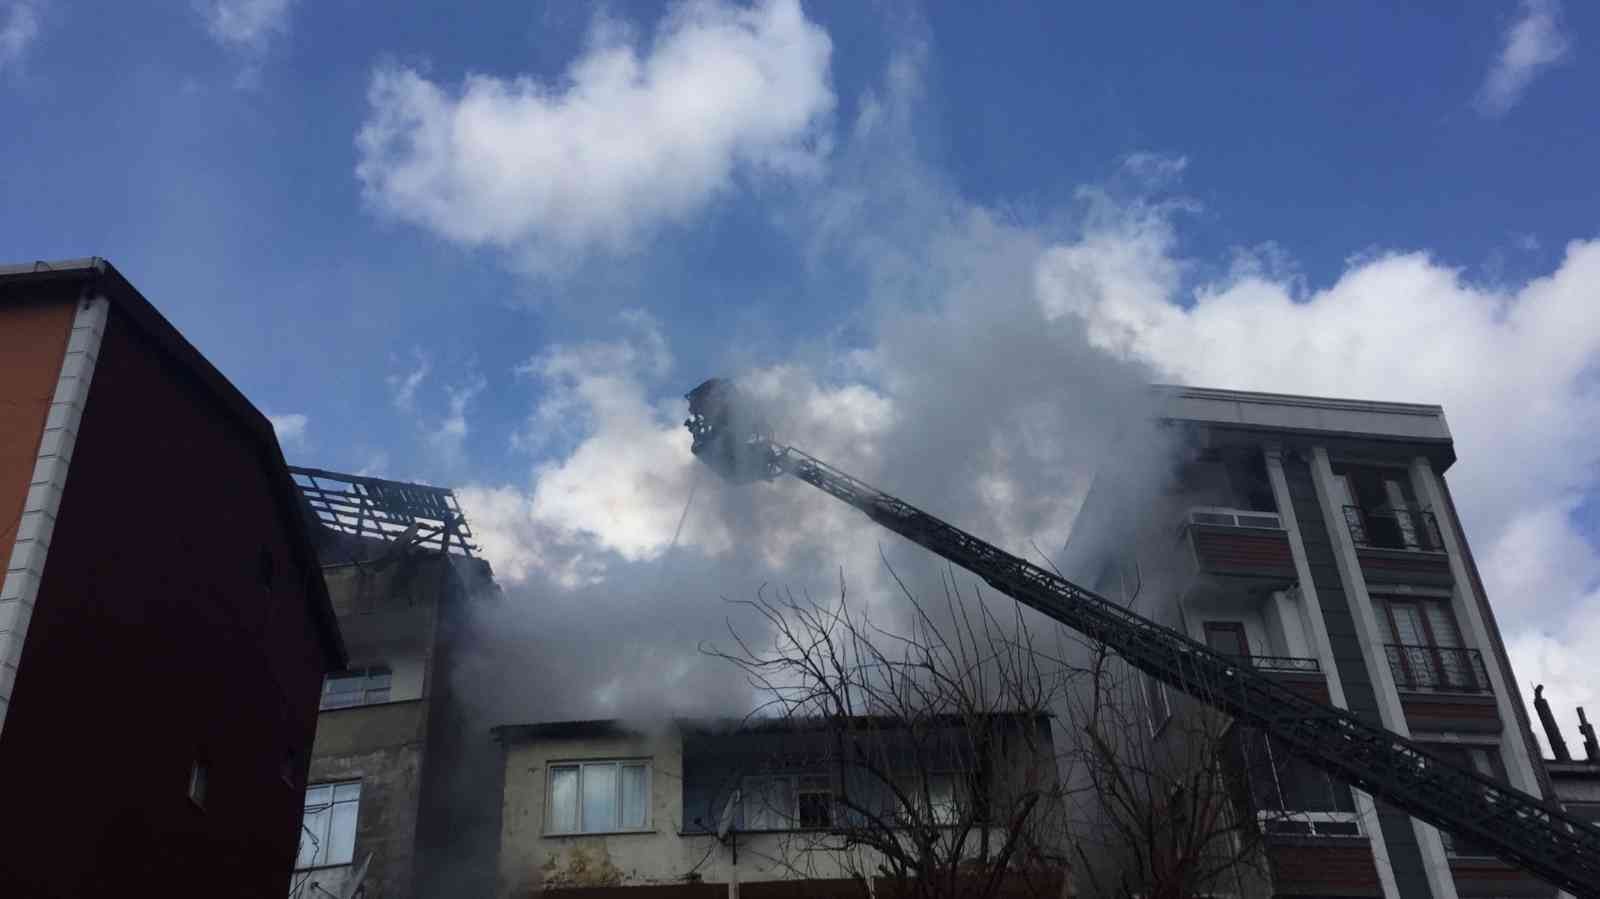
(787, 801)
(1158, 706)
(598, 797)
(1228, 638)
(1248, 482)
(1294, 798)
(328, 830)
(1425, 646)
(1484, 760)
(199, 780)
(941, 804)
(1381, 509)
(1235, 518)
(358, 686)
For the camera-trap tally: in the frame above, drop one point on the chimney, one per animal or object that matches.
(1589, 745)
(1542, 706)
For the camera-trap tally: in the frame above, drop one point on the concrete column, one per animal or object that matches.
(1469, 608)
(1310, 612)
(1390, 712)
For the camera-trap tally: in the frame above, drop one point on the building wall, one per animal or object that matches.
(673, 851)
(531, 861)
(388, 616)
(1405, 856)
(171, 626)
(380, 746)
(34, 334)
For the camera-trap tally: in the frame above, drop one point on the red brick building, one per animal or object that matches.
(164, 627)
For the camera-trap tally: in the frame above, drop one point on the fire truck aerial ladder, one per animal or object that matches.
(732, 438)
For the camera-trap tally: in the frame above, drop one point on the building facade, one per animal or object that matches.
(161, 651)
(401, 791)
(1317, 539)
(721, 809)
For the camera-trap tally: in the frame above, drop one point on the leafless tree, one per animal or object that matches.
(1163, 812)
(966, 755)
(934, 738)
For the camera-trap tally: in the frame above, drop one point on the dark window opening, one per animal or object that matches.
(199, 783)
(1282, 784)
(1247, 479)
(816, 809)
(1381, 509)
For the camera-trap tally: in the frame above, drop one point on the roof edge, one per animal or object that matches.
(98, 274)
(1295, 399)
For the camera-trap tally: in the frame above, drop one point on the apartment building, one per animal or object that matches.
(711, 809)
(397, 803)
(164, 628)
(1316, 540)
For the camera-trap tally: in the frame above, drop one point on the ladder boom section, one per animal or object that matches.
(1520, 829)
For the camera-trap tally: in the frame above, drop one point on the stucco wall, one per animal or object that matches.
(532, 860)
(390, 776)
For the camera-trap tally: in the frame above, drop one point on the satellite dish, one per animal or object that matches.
(725, 823)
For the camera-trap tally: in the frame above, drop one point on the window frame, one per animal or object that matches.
(1309, 817)
(618, 764)
(1231, 627)
(1435, 649)
(367, 674)
(1453, 752)
(326, 837)
(793, 785)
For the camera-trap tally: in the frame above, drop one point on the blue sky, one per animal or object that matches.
(491, 248)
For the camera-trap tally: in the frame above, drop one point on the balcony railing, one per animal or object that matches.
(1235, 518)
(1394, 527)
(1443, 668)
(1283, 663)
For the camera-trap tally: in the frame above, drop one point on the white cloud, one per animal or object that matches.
(19, 28)
(291, 429)
(1513, 367)
(447, 441)
(629, 138)
(404, 386)
(245, 24)
(1533, 43)
(1000, 359)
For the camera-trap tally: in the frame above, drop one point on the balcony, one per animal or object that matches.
(1394, 527)
(1441, 669)
(1303, 676)
(1399, 544)
(1238, 543)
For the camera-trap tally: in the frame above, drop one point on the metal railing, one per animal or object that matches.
(1394, 527)
(1283, 663)
(1235, 518)
(1445, 668)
